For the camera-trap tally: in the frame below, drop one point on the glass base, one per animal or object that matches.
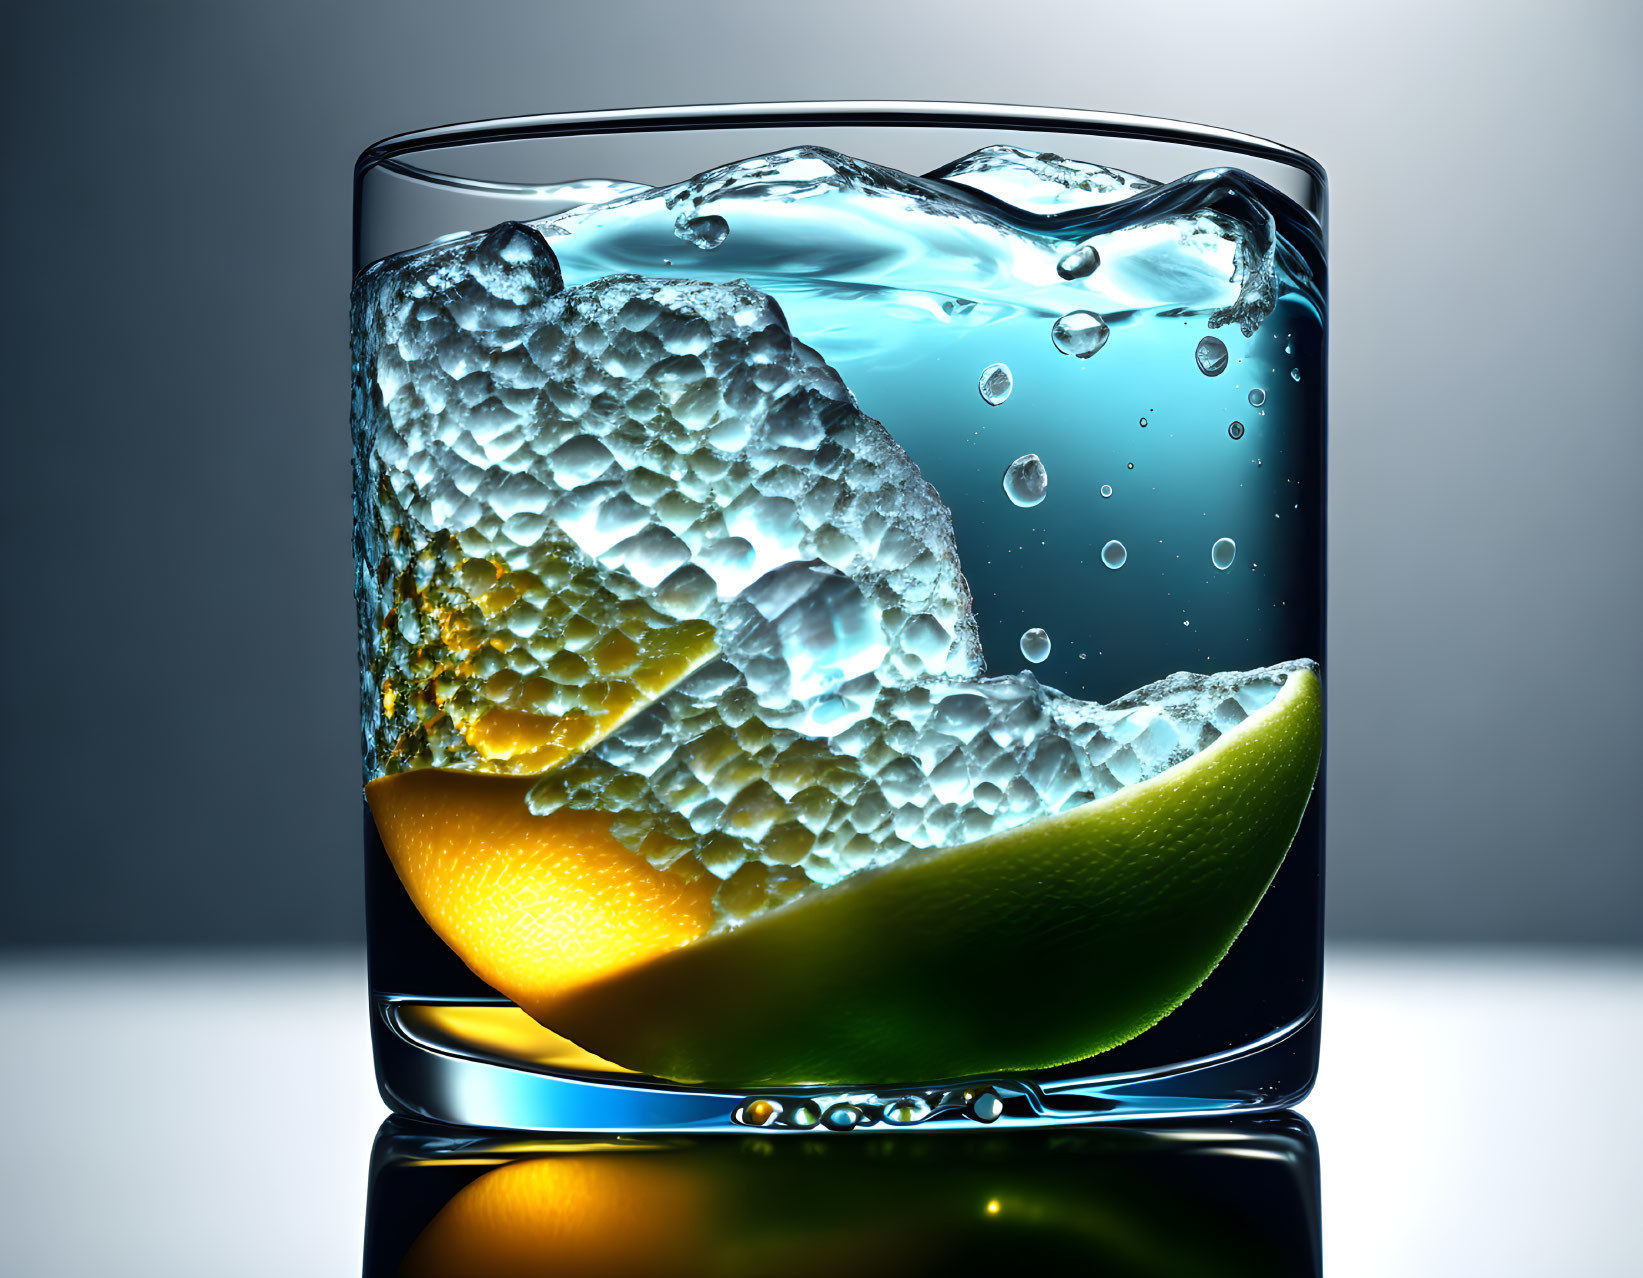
(1232, 1197)
(432, 1065)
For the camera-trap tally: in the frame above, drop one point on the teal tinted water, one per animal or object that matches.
(915, 288)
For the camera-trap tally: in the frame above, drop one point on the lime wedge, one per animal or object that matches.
(1032, 948)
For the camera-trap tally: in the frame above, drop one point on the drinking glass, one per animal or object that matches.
(840, 617)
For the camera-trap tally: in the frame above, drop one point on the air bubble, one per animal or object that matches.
(1035, 645)
(986, 1107)
(996, 383)
(760, 1113)
(841, 1118)
(1025, 480)
(1236, 430)
(1223, 552)
(906, 1109)
(704, 232)
(1211, 356)
(1079, 263)
(1295, 373)
(1143, 423)
(1257, 397)
(1106, 490)
(1113, 554)
(1080, 333)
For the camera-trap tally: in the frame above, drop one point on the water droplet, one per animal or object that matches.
(1222, 553)
(704, 232)
(804, 1114)
(841, 1118)
(996, 383)
(1211, 356)
(1143, 423)
(1035, 645)
(1025, 480)
(906, 1109)
(1113, 554)
(1295, 373)
(1106, 490)
(1079, 263)
(1257, 397)
(1289, 347)
(1236, 430)
(1080, 333)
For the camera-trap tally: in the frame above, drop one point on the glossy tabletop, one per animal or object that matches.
(214, 1114)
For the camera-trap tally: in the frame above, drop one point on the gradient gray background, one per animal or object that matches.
(180, 753)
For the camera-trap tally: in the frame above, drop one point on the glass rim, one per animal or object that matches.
(387, 152)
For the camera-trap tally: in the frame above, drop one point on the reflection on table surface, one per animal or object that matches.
(1228, 1198)
(208, 1115)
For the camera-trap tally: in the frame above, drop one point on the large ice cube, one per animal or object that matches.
(576, 473)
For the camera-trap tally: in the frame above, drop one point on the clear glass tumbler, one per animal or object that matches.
(841, 610)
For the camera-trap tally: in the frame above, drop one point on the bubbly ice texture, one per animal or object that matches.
(550, 469)
(637, 540)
